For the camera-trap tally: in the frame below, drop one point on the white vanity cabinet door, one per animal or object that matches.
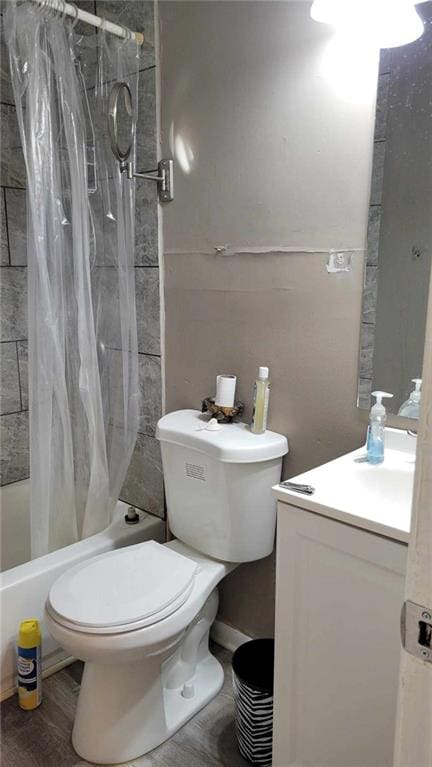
(339, 592)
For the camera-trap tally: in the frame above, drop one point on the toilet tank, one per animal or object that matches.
(218, 485)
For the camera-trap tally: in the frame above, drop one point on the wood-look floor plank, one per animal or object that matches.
(42, 738)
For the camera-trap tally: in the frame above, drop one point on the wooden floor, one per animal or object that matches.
(42, 738)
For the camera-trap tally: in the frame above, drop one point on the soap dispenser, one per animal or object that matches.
(411, 407)
(375, 434)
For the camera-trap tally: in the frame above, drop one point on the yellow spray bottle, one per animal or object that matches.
(29, 665)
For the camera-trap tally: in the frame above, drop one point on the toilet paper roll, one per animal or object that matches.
(225, 390)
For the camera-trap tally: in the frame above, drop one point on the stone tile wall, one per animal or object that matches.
(144, 483)
(14, 452)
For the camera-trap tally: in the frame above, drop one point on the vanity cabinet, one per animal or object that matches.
(339, 592)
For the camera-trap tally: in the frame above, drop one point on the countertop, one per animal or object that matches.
(375, 498)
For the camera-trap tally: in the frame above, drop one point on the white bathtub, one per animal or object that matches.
(24, 585)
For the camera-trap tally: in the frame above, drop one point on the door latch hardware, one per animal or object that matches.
(416, 630)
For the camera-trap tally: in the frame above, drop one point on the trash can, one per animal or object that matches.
(253, 665)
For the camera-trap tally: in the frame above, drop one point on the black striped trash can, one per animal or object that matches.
(253, 664)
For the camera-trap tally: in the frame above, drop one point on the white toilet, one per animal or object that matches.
(140, 616)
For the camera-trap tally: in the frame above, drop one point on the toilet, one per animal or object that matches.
(140, 616)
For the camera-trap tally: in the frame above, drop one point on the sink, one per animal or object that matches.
(375, 497)
(391, 485)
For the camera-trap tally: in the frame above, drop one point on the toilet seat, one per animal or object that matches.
(122, 590)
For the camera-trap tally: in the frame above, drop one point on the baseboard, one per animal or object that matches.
(57, 666)
(227, 636)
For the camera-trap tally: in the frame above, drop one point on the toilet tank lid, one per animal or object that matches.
(232, 443)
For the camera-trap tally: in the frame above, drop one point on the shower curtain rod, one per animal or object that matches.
(70, 9)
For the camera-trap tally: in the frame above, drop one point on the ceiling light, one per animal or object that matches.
(385, 23)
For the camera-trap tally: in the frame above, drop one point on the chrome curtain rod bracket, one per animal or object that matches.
(164, 178)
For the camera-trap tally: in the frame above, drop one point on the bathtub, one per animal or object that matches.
(24, 585)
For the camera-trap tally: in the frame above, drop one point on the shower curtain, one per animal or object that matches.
(83, 357)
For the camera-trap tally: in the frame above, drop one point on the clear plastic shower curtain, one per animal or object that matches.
(83, 358)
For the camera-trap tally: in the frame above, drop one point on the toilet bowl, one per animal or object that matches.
(140, 616)
(148, 668)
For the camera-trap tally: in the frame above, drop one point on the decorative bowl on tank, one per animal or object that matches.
(222, 414)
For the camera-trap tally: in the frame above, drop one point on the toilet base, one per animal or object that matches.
(127, 709)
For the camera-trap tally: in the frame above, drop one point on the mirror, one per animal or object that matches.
(400, 224)
(121, 125)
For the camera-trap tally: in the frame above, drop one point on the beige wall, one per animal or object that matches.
(270, 157)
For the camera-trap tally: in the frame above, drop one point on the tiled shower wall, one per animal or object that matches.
(143, 486)
(14, 453)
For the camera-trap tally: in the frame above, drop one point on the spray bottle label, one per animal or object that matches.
(29, 664)
(29, 686)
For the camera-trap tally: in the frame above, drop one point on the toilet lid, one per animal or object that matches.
(122, 590)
